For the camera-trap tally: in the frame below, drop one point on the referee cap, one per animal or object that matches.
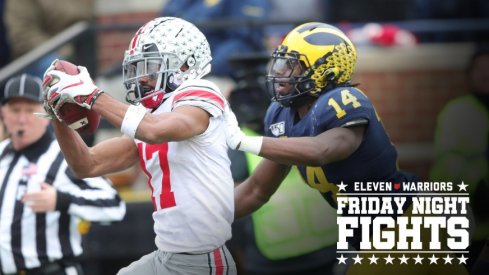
(23, 86)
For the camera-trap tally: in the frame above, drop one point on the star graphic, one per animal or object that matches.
(448, 259)
(433, 259)
(373, 259)
(342, 186)
(358, 259)
(389, 259)
(418, 260)
(463, 259)
(403, 259)
(341, 259)
(462, 186)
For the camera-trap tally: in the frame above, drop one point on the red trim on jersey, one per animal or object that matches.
(218, 261)
(203, 94)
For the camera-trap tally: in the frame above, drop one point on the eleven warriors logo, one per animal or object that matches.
(403, 223)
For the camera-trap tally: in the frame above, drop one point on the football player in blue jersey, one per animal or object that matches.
(319, 121)
(342, 137)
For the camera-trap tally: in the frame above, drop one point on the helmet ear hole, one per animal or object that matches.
(172, 82)
(331, 74)
(191, 62)
(306, 85)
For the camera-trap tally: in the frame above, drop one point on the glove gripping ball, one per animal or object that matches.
(82, 120)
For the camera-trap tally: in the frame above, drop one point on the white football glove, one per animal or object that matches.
(234, 135)
(60, 88)
(48, 111)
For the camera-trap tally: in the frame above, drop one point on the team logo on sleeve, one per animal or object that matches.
(278, 129)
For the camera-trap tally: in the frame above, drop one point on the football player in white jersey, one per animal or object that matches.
(173, 127)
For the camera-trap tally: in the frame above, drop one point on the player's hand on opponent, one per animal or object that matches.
(43, 200)
(236, 139)
(234, 135)
(60, 88)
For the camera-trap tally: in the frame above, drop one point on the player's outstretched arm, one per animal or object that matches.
(330, 146)
(182, 123)
(109, 156)
(134, 121)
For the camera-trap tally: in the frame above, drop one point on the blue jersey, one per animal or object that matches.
(376, 158)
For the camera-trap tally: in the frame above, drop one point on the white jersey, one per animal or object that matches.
(191, 183)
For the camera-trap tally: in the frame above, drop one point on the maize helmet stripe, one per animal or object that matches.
(311, 37)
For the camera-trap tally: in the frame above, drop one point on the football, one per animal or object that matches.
(82, 120)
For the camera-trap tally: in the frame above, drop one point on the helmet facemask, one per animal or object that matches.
(148, 66)
(288, 77)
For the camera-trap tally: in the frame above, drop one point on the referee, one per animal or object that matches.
(41, 201)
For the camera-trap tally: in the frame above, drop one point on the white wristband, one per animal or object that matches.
(251, 144)
(132, 118)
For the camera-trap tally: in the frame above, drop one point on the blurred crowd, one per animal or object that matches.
(26, 24)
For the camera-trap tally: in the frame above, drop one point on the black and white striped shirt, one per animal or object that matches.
(29, 240)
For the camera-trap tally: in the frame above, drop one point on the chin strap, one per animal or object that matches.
(154, 101)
